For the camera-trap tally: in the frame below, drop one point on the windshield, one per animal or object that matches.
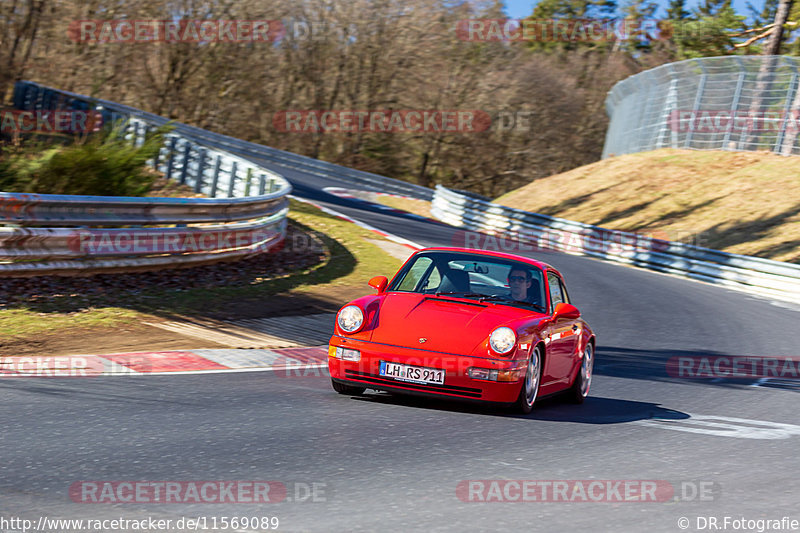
(479, 277)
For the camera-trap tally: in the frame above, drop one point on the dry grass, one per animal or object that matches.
(740, 202)
(412, 205)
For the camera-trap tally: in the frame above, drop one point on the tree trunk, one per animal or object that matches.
(773, 47)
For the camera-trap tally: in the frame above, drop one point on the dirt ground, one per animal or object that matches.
(144, 338)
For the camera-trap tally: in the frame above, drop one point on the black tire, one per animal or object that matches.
(347, 389)
(530, 386)
(583, 380)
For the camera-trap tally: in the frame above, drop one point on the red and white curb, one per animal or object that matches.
(284, 360)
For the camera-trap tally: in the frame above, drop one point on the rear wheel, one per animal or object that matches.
(347, 389)
(580, 387)
(530, 386)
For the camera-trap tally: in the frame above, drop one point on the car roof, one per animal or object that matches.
(502, 255)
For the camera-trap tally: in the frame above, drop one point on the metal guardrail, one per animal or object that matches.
(710, 103)
(41, 209)
(308, 165)
(774, 279)
(250, 219)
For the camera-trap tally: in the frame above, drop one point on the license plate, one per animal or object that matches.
(415, 374)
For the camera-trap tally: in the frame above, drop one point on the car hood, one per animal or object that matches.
(447, 324)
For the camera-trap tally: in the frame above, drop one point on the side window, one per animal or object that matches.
(556, 294)
(564, 291)
(414, 274)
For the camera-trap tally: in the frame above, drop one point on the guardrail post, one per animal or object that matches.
(262, 185)
(215, 179)
(247, 183)
(19, 94)
(46, 97)
(170, 157)
(187, 147)
(201, 163)
(156, 158)
(232, 183)
(137, 126)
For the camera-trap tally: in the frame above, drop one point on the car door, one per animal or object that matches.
(561, 335)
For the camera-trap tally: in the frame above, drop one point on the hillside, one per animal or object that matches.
(740, 202)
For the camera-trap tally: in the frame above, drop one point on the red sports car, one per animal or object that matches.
(465, 324)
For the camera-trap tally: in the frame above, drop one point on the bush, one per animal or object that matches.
(103, 165)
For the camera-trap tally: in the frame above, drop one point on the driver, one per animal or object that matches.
(520, 281)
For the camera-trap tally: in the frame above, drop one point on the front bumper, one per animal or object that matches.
(457, 384)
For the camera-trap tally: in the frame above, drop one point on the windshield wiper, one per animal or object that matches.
(460, 293)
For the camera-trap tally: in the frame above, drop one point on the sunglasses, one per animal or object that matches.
(517, 278)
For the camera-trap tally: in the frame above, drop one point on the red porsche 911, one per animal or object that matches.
(468, 325)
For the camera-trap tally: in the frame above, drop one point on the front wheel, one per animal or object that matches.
(580, 387)
(347, 389)
(530, 387)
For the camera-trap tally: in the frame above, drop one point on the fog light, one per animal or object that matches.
(488, 374)
(345, 354)
(485, 374)
(508, 375)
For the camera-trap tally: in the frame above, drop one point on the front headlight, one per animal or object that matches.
(350, 318)
(502, 340)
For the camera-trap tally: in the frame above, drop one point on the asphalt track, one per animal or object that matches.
(383, 463)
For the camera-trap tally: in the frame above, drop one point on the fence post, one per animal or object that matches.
(701, 87)
(201, 163)
(735, 104)
(215, 179)
(187, 148)
(170, 157)
(232, 181)
(792, 94)
(262, 184)
(247, 183)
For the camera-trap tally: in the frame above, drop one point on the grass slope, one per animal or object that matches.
(739, 202)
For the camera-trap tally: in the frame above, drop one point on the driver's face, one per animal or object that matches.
(519, 283)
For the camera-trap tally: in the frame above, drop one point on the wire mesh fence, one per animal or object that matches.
(712, 103)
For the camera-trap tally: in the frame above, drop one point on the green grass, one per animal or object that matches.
(25, 322)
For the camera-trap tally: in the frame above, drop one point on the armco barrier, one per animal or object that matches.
(762, 276)
(53, 233)
(32, 96)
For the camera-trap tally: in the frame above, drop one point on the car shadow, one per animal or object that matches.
(594, 410)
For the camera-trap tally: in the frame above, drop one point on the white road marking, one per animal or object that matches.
(723, 426)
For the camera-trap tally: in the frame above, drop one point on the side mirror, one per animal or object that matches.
(379, 283)
(566, 311)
